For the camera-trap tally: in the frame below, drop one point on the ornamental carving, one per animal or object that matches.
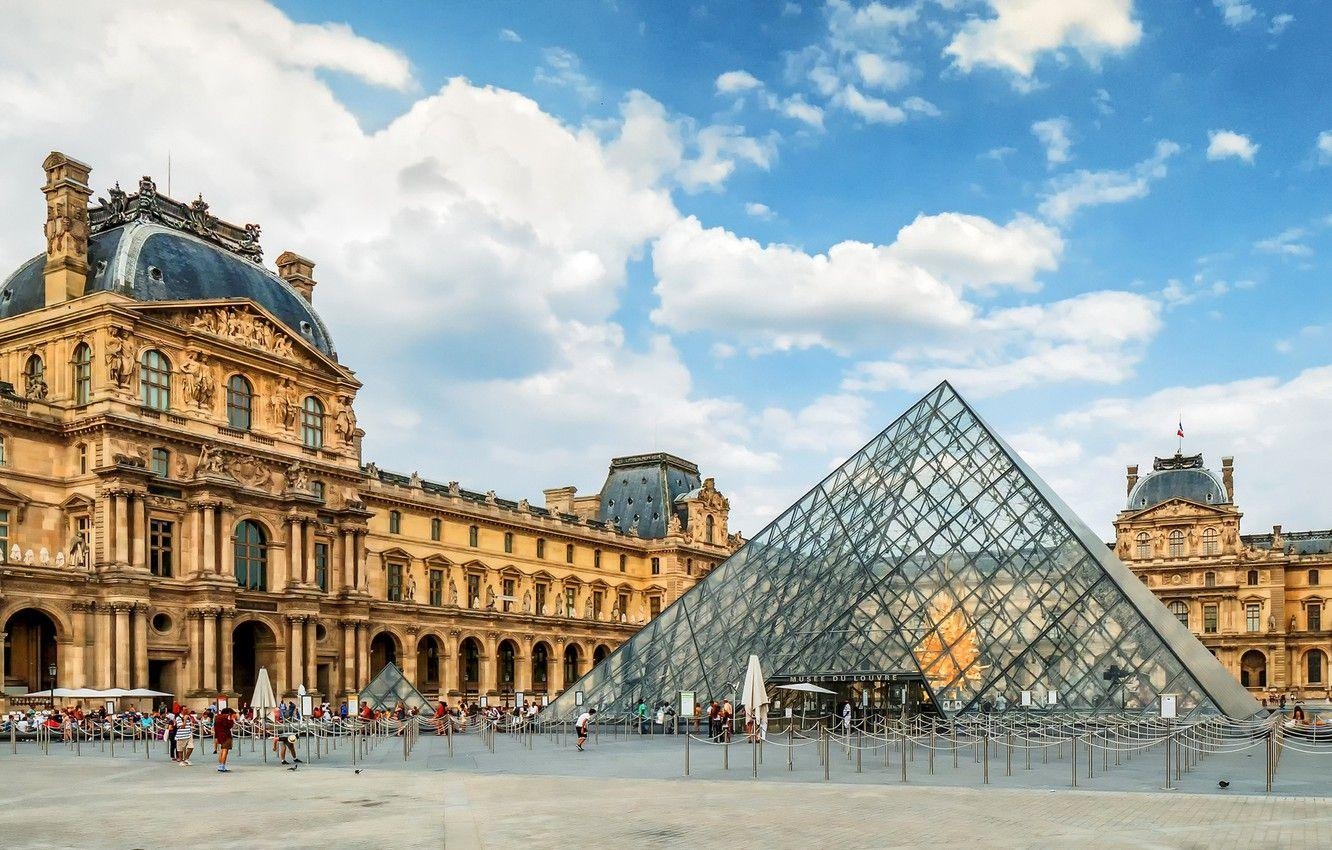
(344, 423)
(198, 380)
(712, 499)
(66, 228)
(119, 358)
(284, 404)
(249, 471)
(241, 325)
(148, 205)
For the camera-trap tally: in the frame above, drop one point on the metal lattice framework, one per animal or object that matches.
(390, 688)
(933, 551)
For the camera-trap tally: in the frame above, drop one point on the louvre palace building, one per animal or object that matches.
(183, 499)
(1257, 601)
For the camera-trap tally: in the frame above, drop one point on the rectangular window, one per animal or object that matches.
(159, 547)
(541, 548)
(473, 591)
(436, 529)
(395, 522)
(508, 542)
(568, 553)
(1209, 619)
(1313, 577)
(437, 587)
(321, 566)
(317, 488)
(473, 536)
(395, 582)
(1209, 579)
(689, 566)
(1253, 617)
(1314, 615)
(569, 601)
(624, 562)
(654, 605)
(83, 459)
(656, 566)
(508, 591)
(624, 605)
(4, 533)
(161, 463)
(541, 599)
(598, 599)
(596, 558)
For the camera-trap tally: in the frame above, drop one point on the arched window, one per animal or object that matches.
(1252, 578)
(1181, 612)
(240, 402)
(161, 462)
(540, 665)
(34, 377)
(1177, 544)
(1144, 546)
(82, 373)
(473, 536)
(1315, 661)
(570, 664)
(312, 423)
(251, 556)
(1211, 543)
(155, 380)
(708, 528)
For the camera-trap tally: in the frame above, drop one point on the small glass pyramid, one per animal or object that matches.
(390, 688)
(933, 554)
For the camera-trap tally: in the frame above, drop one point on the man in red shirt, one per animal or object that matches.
(222, 726)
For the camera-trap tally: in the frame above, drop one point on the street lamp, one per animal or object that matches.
(51, 674)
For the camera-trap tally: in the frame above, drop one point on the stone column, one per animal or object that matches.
(448, 672)
(312, 653)
(77, 671)
(140, 646)
(225, 639)
(208, 518)
(522, 671)
(490, 665)
(408, 659)
(120, 510)
(122, 629)
(347, 666)
(210, 651)
(307, 572)
(278, 569)
(141, 535)
(296, 651)
(555, 670)
(194, 661)
(295, 553)
(4, 636)
(227, 537)
(362, 654)
(348, 563)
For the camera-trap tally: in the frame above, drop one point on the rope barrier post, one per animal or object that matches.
(1271, 748)
(1091, 757)
(934, 739)
(904, 756)
(754, 747)
(13, 737)
(790, 747)
(687, 737)
(986, 744)
(860, 743)
(1008, 767)
(1073, 759)
(1167, 759)
(726, 754)
(823, 746)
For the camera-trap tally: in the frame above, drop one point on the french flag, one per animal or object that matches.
(1180, 431)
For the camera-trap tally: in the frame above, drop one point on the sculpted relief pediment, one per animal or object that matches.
(241, 324)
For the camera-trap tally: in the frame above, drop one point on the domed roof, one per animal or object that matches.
(1178, 477)
(142, 246)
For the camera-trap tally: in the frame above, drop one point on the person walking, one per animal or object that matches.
(222, 726)
(581, 726)
(714, 721)
(846, 718)
(184, 736)
(727, 715)
(170, 734)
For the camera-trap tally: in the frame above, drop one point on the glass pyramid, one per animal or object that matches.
(389, 688)
(933, 553)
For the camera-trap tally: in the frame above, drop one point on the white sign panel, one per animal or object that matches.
(1168, 706)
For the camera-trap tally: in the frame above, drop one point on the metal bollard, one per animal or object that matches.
(827, 759)
(1073, 759)
(986, 758)
(790, 747)
(934, 740)
(726, 754)
(754, 747)
(860, 743)
(687, 737)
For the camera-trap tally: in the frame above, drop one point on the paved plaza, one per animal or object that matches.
(631, 791)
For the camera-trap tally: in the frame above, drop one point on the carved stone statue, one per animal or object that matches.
(44, 557)
(490, 497)
(28, 558)
(119, 359)
(527, 602)
(297, 477)
(1271, 623)
(200, 385)
(211, 462)
(453, 593)
(284, 404)
(476, 602)
(344, 424)
(411, 588)
(414, 481)
(673, 525)
(34, 385)
(615, 613)
(587, 608)
(454, 489)
(490, 597)
(15, 554)
(524, 505)
(60, 558)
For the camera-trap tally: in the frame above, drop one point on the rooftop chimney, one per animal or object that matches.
(1132, 478)
(1228, 476)
(67, 193)
(297, 271)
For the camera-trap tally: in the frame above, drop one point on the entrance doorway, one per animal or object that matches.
(253, 646)
(162, 677)
(30, 651)
(383, 650)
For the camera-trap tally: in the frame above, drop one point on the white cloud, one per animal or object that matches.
(1279, 23)
(1071, 192)
(1286, 243)
(510, 36)
(1236, 13)
(720, 148)
(796, 107)
(1097, 336)
(1227, 143)
(921, 106)
(759, 211)
(791, 10)
(1324, 147)
(1102, 102)
(1022, 30)
(881, 73)
(1053, 133)
(872, 109)
(857, 295)
(1257, 420)
(832, 424)
(734, 82)
(563, 68)
(998, 154)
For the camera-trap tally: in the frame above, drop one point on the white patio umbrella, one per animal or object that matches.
(755, 694)
(264, 700)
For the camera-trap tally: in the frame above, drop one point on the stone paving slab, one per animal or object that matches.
(619, 794)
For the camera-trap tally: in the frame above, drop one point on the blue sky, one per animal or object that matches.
(752, 233)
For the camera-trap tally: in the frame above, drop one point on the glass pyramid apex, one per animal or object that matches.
(934, 554)
(389, 688)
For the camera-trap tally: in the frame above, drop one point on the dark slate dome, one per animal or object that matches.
(152, 248)
(1178, 477)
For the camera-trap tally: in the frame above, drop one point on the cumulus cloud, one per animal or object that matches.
(759, 211)
(1022, 30)
(881, 73)
(857, 295)
(1069, 193)
(720, 148)
(733, 82)
(1324, 147)
(510, 36)
(564, 69)
(1256, 420)
(873, 109)
(1222, 144)
(1053, 133)
(1279, 23)
(1236, 13)
(1287, 243)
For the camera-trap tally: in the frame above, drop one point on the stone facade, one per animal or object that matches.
(1258, 602)
(183, 499)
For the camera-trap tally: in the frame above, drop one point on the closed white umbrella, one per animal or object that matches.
(755, 694)
(264, 700)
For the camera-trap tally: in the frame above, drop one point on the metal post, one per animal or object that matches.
(934, 739)
(1008, 767)
(823, 746)
(726, 755)
(687, 737)
(1073, 759)
(754, 747)
(860, 741)
(790, 747)
(986, 759)
(1091, 757)
(1271, 751)
(1168, 748)
(904, 755)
